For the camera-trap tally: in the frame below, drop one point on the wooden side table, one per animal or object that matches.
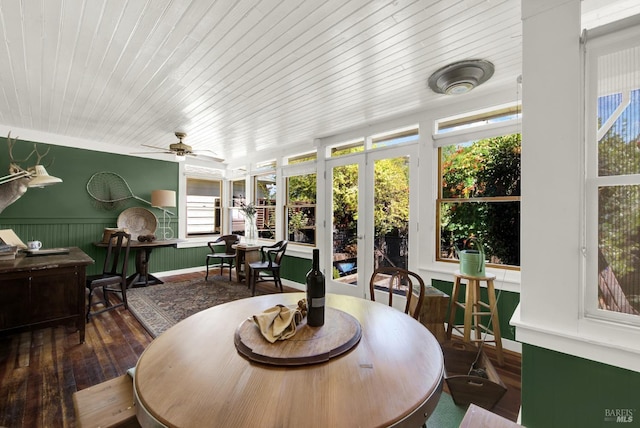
(433, 313)
(245, 254)
(473, 311)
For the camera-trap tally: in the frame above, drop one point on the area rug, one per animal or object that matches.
(158, 307)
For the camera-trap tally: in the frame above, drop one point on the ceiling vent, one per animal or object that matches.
(461, 77)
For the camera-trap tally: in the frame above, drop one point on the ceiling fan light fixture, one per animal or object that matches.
(461, 77)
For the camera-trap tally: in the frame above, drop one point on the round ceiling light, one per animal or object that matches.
(461, 77)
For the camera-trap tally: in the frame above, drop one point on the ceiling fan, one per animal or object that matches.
(182, 150)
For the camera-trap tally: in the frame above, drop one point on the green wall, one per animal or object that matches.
(64, 214)
(560, 390)
(507, 302)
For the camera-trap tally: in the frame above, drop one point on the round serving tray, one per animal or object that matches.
(310, 345)
(138, 221)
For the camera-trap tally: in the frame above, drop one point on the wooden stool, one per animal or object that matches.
(107, 404)
(473, 312)
(433, 313)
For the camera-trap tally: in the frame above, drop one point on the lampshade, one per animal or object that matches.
(163, 198)
(40, 177)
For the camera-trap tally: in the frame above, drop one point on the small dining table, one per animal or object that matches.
(142, 276)
(195, 374)
(245, 254)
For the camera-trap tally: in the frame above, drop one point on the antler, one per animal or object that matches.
(40, 156)
(13, 185)
(35, 151)
(12, 143)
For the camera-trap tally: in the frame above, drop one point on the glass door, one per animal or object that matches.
(370, 213)
(344, 176)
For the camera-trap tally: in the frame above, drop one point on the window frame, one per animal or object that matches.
(296, 170)
(234, 214)
(602, 44)
(486, 128)
(271, 208)
(217, 209)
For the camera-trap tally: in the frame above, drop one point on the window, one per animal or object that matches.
(301, 208)
(396, 137)
(479, 195)
(346, 148)
(203, 207)
(613, 178)
(238, 199)
(265, 201)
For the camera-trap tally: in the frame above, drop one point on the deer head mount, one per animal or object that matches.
(14, 185)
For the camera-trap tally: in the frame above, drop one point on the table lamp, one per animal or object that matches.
(164, 199)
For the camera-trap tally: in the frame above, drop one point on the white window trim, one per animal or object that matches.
(185, 171)
(506, 279)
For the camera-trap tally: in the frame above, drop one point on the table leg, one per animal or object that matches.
(142, 277)
(239, 262)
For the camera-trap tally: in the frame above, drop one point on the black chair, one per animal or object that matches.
(229, 254)
(395, 280)
(269, 266)
(113, 278)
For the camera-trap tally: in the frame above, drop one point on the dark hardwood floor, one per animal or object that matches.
(41, 369)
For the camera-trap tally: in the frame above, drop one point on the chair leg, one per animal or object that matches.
(206, 277)
(230, 268)
(123, 287)
(278, 281)
(89, 303)
(253, 275)
(105, 296)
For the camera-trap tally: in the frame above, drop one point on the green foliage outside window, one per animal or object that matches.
(619, 216)
(480, 197)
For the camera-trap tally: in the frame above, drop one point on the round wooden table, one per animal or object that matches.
(192, 375)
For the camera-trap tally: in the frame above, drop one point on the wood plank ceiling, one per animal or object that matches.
(238, 76)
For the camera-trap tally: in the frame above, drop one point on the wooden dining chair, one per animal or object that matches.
(268, 268)
(228, 256)
(398, 281)
(113, 278)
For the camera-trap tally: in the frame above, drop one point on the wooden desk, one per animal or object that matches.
(142, 277)
(42, 291)
(245, 254)
(192, 375)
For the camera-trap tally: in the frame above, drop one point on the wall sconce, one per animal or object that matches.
(40, 177)
(164, 199)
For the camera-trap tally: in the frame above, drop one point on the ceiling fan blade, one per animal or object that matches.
(163, 149)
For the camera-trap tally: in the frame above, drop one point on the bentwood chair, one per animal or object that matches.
(228, 256)
(398, 281)
(268, 268)
(113, 278)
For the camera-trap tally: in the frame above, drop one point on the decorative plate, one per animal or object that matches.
(138, 221)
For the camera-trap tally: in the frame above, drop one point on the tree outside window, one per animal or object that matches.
(301, 208)
(479, 197)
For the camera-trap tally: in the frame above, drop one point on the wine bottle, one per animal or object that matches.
(315, 293)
